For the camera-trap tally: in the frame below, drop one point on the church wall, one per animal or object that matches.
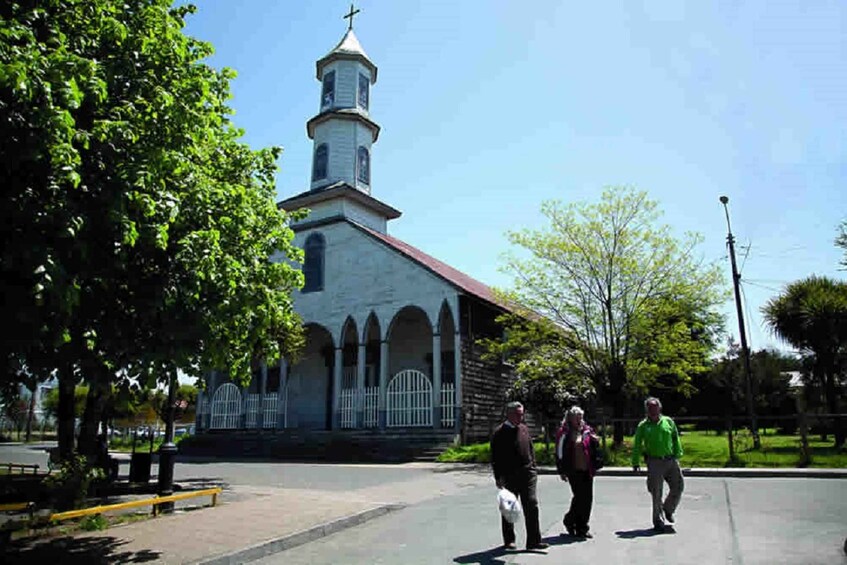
(322, 210)
(346, 79)
(362, 275)
(484, 386)
(308, 386)
(340, 136)
(411, 342)
(484, 383)
(364, 216)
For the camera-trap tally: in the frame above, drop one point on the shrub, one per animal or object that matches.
(69, 485)
(94, 523)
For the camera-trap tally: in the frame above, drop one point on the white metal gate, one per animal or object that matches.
(448, 405)
(226, 408)
(408, 399)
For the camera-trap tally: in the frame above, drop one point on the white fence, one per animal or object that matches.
(408, 403)
(448, 405)
(269, 410)
(371, 407)
(251, 419)
(409, 400)
(347, 408)
(268, 407)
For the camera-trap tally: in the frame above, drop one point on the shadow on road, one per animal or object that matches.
(491, 556)
(488, 557)
(88, 551)
(644, 533)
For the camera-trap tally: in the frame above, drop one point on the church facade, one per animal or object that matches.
(390, 330)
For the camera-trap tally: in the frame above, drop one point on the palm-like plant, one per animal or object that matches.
(811, 315)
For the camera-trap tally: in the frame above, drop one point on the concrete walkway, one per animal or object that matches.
(258, 522)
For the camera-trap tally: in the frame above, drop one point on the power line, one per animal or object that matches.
(751, 283)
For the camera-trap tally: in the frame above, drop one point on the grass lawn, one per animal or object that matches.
(701, 449)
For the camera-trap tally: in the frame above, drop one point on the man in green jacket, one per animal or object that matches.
(658, 440)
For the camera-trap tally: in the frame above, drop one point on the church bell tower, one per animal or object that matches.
(342, 131)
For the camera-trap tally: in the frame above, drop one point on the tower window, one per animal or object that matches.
(328, 90)
(313, 264)
(364, 91)
(363, 165)
(320, 162)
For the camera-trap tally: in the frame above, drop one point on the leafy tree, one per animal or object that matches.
(537, 349)
(721, 391)
(137, 229)
(185, 402)
(811, 315)
(633, 301)
(50, 402)
(15, 406)
(841, 241)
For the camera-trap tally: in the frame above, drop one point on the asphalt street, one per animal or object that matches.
(450, 515)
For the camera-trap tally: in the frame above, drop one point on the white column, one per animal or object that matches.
(457, 360)
(360, 387)
(281, 407)
(383, 380)
(336, 388)
(436, 380)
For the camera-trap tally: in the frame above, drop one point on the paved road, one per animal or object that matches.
(451, 516)
(738, 521)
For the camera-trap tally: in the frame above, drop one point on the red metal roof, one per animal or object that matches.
(441, 269)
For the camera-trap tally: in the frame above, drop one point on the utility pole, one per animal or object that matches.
(745, 351)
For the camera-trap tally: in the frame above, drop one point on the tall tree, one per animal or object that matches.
(634, 301)
(138, 230)
(811, 315)
(841, 241)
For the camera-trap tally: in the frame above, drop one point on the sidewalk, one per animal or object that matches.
(251, 524)
(738, 472)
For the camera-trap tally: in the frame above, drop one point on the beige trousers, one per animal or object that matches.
(659, 471)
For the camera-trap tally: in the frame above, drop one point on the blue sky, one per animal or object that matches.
(489, 108)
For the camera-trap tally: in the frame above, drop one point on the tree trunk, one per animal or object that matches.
(94, 405)
(832, 407)
(617, 379)
(619, 408)
(65, 416)
(30, 414)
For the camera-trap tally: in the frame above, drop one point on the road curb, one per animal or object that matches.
(289, 541)
(744, 473)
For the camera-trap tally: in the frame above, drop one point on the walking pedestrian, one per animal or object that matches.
(657, 438)
(578, 458)
(513, 463)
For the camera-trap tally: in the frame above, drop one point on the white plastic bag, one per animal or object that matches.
(510, 507)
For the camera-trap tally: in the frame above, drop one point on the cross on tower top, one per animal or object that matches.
(350, 15)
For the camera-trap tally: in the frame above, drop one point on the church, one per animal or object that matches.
(390, 331)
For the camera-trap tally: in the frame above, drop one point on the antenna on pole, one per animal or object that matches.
(745, 351)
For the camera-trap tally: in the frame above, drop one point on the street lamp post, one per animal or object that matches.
(167, 452)
(745, 351)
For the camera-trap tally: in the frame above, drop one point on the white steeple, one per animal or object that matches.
(342, 131)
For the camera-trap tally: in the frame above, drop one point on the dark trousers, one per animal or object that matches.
(524, 488)
(582, 487)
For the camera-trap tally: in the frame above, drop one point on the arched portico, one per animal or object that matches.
(309, 384)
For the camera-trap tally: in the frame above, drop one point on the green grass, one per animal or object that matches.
(124, 444)
(702, 449)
